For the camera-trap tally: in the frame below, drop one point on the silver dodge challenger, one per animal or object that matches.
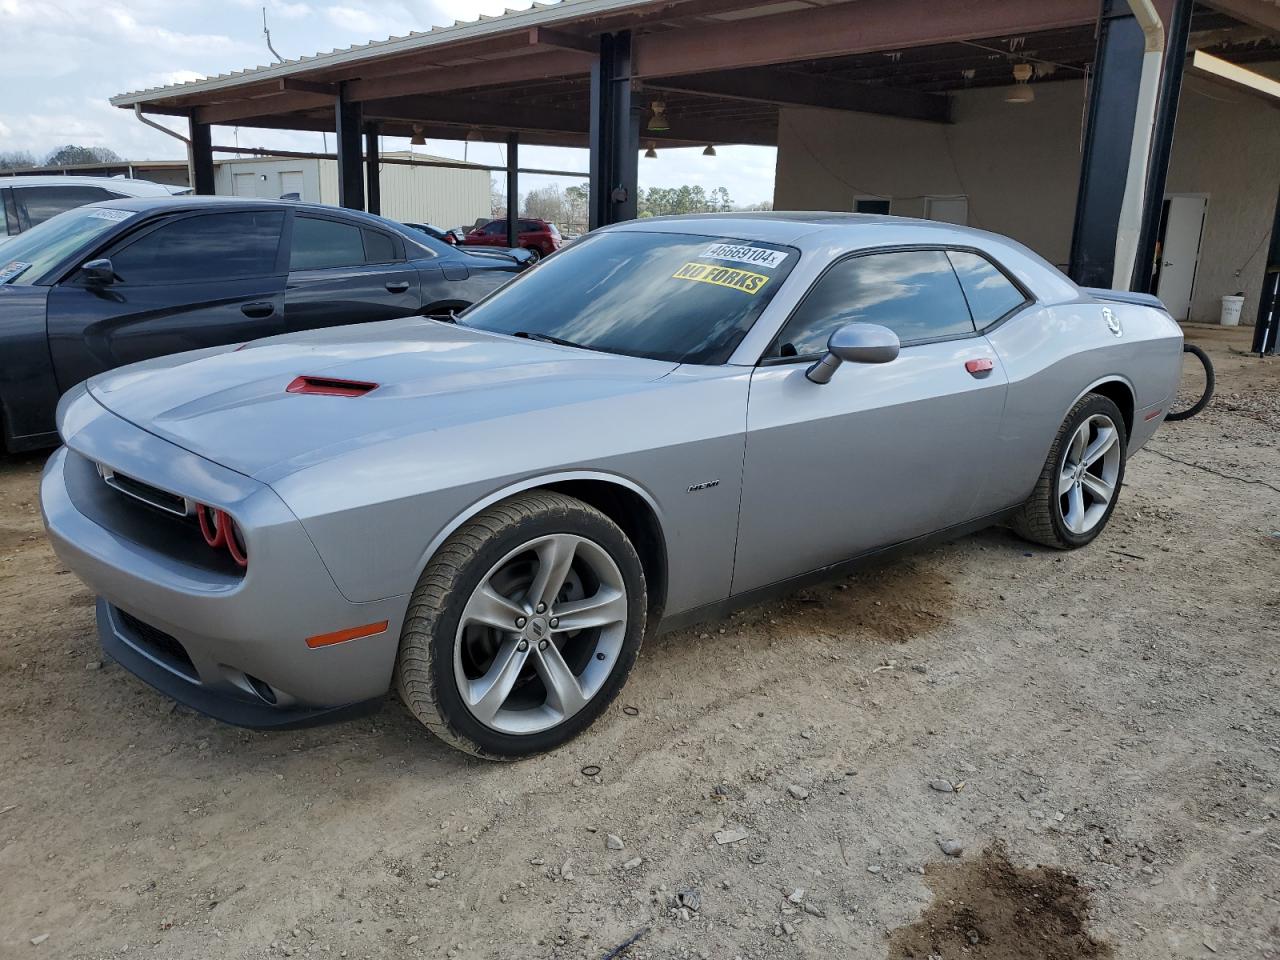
(663, 421)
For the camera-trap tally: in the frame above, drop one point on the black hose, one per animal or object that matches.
(1209, 383)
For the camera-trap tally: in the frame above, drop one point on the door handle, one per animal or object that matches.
(258, 310)
(397, 286)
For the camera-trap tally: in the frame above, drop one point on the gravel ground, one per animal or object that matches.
(787, 783)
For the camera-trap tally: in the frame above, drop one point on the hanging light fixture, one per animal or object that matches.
(417, 140)
(710, 151)
(651, 153)
(658, 122)
(1021, 91)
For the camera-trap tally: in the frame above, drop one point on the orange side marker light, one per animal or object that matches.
(351, 633)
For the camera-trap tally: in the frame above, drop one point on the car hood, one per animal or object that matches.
(232, 407)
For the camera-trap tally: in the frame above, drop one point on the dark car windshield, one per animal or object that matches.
(28, 256)
(665, 296)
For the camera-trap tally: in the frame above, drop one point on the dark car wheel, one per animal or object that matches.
(534, 254)
(523, 627)
(1081, 479)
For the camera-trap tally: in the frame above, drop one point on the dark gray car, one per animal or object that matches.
(126, 280)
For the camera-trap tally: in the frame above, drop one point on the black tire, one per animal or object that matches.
(1209, 383)
(534, 254)
(1040, 519)
(425, 675)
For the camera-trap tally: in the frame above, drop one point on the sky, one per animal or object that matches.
(60, 61)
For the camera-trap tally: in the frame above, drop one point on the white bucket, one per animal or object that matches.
(1231, 308)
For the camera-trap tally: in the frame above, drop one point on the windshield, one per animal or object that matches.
(665, 296)
(28, 256)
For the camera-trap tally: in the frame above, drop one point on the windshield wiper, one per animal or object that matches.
(548, 338)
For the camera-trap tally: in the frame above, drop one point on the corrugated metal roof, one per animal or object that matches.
(542, 13)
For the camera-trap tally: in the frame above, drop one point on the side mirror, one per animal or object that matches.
(856, 343)
(98, 271)
(521, 256)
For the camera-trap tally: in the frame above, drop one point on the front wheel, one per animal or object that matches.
(523, 627)
(1080, 482)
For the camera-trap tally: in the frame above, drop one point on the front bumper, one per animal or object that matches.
(123, 644)
(229, 645)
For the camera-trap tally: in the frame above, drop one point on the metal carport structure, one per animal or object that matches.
(587, 73)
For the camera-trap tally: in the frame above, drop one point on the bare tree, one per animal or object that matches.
(71, 154)
(17, 159)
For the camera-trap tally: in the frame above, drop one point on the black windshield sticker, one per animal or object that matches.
(735, 279)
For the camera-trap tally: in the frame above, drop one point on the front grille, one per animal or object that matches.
(152, 496)
(160, 645)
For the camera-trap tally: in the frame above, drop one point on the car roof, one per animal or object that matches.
(775, 226)
(119, 184)
(190, 202)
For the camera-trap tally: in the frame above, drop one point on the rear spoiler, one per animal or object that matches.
(1124, 296)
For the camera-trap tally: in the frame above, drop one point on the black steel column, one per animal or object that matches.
(513, 190)
(615, 133)
(1266, 333)
(1113, 102)
(201, 158)
(373, 168)
(1175, 57)
(350, 160)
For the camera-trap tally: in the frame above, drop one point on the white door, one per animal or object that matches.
(245, 184)
(1180, 253)
(947, 209)
(291, 182)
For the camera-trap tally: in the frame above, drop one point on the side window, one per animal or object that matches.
(914, 293)
(380, 247)
(38, 204)
(531, 226)
(216, 246)
(495, 229)
(325, 243)
(990, 293)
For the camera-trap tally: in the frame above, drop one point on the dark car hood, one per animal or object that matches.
(232, 406)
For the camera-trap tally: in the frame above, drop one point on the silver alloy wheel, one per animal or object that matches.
(540, 634)
(1090, 469)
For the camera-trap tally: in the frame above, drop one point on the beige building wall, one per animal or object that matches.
(1227, 145)
(1019, 164)
(445, 196)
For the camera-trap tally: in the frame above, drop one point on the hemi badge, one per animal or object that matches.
(705, 485)
(980, 367)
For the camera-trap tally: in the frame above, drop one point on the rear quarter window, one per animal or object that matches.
(991, 295)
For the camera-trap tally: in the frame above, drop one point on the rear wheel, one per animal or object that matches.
(1080, 482)
(523, 627)
(534, 254)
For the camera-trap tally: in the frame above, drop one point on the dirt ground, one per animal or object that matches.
(1112, 714)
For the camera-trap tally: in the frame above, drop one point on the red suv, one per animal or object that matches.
(537, 236)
